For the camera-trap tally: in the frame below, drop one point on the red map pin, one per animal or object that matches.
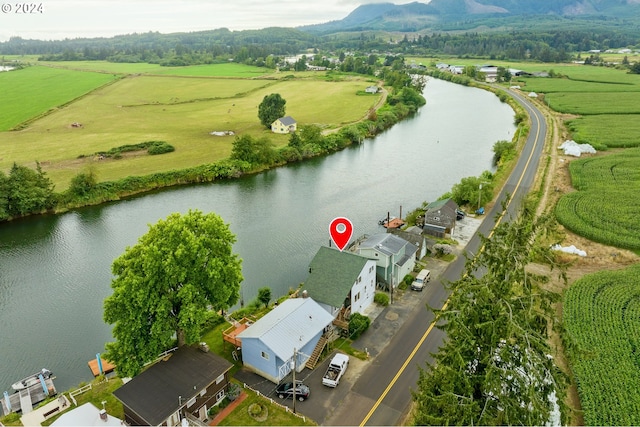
(341, 231)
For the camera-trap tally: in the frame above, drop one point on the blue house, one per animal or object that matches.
(268, 345)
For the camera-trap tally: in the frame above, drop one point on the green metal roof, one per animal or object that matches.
(332, 274)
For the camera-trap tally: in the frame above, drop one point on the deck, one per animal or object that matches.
(107, 367)
(24, 400)
(230, 334)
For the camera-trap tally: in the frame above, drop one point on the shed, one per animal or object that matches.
(268, 345)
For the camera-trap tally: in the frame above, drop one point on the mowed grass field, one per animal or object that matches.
(33, 91)
(181, 110)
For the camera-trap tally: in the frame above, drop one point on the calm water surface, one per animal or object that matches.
(55, 271)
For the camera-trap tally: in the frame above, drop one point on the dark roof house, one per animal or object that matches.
(186, 384)
(441, 213)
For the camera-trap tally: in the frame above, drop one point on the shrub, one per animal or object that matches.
(160, 148)
(442, 249)
(357, 325)
(381, 298)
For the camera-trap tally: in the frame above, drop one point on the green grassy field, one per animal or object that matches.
(35, 90)
(601, 314)
(594, 103)
(179, 110)
(213, 70)
(605, 131)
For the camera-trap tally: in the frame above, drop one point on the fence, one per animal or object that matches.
(79, 391)
(285, 407)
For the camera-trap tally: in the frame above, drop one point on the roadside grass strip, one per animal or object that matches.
(601, 314)
(605, 207)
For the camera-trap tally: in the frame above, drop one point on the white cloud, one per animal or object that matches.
(101, 18)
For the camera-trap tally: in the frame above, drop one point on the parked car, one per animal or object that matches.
(421, 280)
(460, 214)
(285, 391)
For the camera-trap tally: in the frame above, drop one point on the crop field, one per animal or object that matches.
(213, 70)
(181, 111)
(595, 103)
(605, 207)
(546, 85)
(35, 90)
(601, 314)
(606, 131)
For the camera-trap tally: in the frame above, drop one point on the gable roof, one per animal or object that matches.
(287, 120)
(290, 325)
(332, 274)
(388, 244)
(440, 204)
(153, 394)
(86, 415)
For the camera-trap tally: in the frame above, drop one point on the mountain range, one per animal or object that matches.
(418, 15)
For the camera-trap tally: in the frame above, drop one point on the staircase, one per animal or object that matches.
(313, 360)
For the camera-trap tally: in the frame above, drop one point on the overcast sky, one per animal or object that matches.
(61, 19)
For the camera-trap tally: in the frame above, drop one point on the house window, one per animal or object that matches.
(220, 395)
(264, 355)
(359, 279)
(357, 297)
(220, 379)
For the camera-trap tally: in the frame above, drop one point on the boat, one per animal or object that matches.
(31, 380)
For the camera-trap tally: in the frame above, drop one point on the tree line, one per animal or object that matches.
(256, 46)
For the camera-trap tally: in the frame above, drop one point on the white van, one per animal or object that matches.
(421, 280)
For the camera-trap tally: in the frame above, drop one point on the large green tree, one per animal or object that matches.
(494, 367)
(271, 108)
(28, 191)
(168, 285)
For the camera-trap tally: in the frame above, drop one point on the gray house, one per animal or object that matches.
(440, 217)
(268, 345)
(395, 257)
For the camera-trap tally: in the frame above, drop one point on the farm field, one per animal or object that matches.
(213, 70)
(601, 314)
(179, 110)
(35, 90)
(605, 131)
(594, 103)
(605, 207)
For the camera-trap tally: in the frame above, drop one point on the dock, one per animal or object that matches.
(24, 400)
(107, 367)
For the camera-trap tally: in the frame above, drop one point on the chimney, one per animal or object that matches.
(103, 415)
(305, 294)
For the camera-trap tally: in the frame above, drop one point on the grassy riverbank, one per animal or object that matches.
(180, 109)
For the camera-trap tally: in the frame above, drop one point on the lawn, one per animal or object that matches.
(35, 90)
(179, 110)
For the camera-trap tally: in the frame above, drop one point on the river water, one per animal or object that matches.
(55, 271)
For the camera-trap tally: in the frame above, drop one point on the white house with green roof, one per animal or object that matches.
(341, 279)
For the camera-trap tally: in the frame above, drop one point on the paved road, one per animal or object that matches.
(381, 395)
(401, 338)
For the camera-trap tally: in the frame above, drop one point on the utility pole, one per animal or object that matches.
(479, 195)
(293, 368)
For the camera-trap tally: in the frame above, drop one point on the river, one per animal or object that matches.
(55, 271)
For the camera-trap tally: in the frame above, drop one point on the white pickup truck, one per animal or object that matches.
(335, 371)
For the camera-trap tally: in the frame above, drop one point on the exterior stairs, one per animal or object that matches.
(313, 360)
